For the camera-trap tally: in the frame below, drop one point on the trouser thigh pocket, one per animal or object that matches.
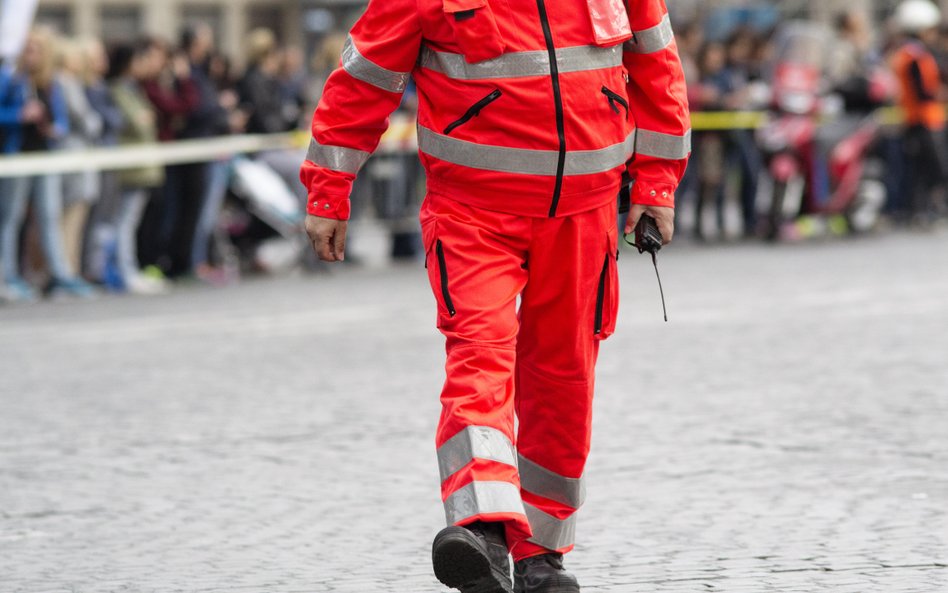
(437, 259)
(443, 282)
(607, 294)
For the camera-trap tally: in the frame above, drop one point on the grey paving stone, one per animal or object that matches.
(785, 432)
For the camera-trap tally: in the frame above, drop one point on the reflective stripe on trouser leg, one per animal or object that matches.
(540, 481)
(482, 498)
(548, 531)
(474, 442)
(556, 356)
(475, 432)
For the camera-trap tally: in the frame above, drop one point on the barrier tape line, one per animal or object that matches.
(720, 121)
(142, 155)
(400, 138)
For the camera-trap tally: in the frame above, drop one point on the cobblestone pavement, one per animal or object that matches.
(787, 431)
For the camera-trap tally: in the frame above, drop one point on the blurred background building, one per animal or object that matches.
(305, 21)
(296, 22)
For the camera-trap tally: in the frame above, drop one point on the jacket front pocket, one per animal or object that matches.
(615, 100)
(475, 29)
(443, 273)
(473, 112)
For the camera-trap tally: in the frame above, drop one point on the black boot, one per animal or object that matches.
(473, 559)
(543, 574)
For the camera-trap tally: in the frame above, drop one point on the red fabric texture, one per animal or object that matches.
(535, 363)
(353, 113)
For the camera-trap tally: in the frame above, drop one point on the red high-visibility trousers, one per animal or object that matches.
(536, 362)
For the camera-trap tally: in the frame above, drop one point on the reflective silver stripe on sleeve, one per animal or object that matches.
(336, 158)
(548, 531)
(523, 161)
(521, 64)
(538, 480)
(663, 146)
(367, 71)
(474, 442)
(481, 498)
(649, 41)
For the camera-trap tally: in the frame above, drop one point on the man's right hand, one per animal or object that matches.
(328, 237)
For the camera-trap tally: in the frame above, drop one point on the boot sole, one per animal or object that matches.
(461, 564)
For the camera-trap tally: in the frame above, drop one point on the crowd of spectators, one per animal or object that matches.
(133, 230)
(735, 73)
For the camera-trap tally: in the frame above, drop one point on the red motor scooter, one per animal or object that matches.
(822, 171)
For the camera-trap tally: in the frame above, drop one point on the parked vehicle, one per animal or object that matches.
(820, 164)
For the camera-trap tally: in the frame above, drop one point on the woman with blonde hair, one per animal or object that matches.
(80, 190)
(34, 117)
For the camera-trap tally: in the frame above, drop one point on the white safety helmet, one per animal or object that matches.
(914, 16)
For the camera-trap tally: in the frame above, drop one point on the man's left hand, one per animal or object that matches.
(664, 218)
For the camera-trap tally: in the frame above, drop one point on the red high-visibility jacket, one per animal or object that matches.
(501, 124)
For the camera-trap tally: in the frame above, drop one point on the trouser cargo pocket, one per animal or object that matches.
(607, 294)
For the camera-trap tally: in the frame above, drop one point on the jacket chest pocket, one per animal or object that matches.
(475, 29)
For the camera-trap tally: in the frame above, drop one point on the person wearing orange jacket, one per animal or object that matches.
(531, 115)
(920, 96)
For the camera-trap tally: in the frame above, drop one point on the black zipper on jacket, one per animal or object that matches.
(616, 98)
(601, 296)
(558, 98)
(473, 112)
(443, 269)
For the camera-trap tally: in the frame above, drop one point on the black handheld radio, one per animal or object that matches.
(649, 239)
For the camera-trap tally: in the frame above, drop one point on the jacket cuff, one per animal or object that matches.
(647, 193)
(335, 207)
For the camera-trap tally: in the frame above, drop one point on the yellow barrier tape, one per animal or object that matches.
(705, 121)
(719, 121)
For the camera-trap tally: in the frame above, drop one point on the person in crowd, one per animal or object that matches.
(34, 117)
(293, 81)
(130, 68)
(187, 187)
(709, 94)
(98, 92)
(921, 93)
(98, 233)
(174, 94)
(261, 95)
(218, 178)
(690, 39)
(80, 190)
(734, 84)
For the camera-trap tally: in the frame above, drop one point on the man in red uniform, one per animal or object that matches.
(531, 113)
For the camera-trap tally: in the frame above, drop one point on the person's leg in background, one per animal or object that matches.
(935, 149)
(750, 165)
(80, 192)
(218, 179)
(568, 306)
(194, 184)
(14, 198)
(158, 222)
(49, 212)
(127, 219)
(75, 218)
(475, 261)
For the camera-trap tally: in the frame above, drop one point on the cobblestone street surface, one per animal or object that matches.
(787, 431)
